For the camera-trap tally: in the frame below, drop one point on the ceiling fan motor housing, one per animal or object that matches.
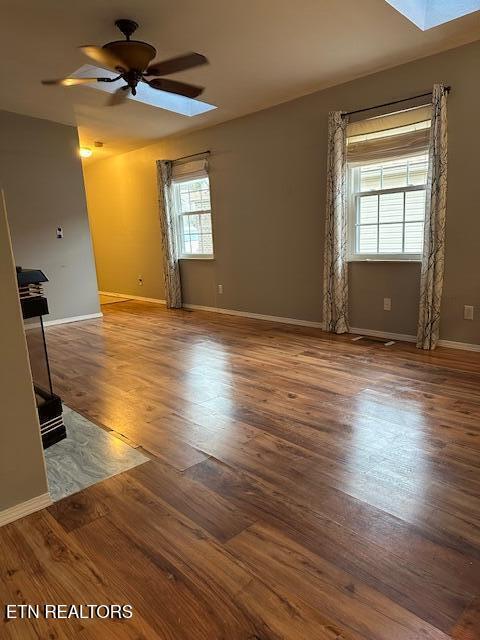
(136, 54)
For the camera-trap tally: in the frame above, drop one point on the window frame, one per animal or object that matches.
(353, 199)
(179, 235)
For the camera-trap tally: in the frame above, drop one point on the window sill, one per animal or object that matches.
(188, 258)
(396, 260)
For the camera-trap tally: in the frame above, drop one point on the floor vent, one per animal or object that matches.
(374, 339)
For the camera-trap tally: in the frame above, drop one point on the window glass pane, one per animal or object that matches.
(368, 209)
(206, 223)
(194, 195)
(391, 207)
(205, 193)
(186, 244)
(370, 178)
(417, 172)
(414, 237)
(184, 196)
(195, 242)
(185, 226)
(390, 238)
(194, 223)
(207, 243)
(184, 202)
(367, 239)
(196, 200)
(415, 205)
(394, 176)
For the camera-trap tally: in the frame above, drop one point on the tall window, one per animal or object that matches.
(387, 178)
(191, 201)
(388, 208)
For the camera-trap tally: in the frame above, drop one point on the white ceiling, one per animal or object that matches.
(261, 52)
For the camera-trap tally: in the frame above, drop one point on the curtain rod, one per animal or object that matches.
(388, 104)
(192, 155)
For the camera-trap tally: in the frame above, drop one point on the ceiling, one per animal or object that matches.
(261, 52)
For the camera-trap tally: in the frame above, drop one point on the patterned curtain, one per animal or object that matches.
(335, 276)
(171, 268)
(431, 282)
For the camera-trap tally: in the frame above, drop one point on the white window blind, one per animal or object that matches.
(192, 168)
(388, 170)
(191, 201)
(397, 135)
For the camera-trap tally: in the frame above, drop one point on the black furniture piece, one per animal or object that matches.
(34, 306)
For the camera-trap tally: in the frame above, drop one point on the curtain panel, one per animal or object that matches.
(431, 282)
(171, 267)
(335, 276)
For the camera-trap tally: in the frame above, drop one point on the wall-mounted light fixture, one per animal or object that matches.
(85, 152)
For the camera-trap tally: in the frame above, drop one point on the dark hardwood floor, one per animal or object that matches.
(302, 486)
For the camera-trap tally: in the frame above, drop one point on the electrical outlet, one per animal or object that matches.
(220, 288)
(140, 280)
(468, 312)
(387, 304)
(59, 233)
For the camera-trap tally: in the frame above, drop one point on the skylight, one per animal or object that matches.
(431, 13)
(163, 99)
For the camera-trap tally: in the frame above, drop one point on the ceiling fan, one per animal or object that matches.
(131, 60)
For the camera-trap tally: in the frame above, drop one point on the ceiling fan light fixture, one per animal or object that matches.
(136, 54)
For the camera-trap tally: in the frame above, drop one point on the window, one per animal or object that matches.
(387, 208)
(431, 13)
(191, 196)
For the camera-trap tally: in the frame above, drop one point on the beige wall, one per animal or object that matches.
(41, 174)
(268, 194)
(126, 235)
(22, 470)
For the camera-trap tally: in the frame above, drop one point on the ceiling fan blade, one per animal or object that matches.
(69, 82)
(104, 57)
(186, 61)
(119, 96)
(172, 86)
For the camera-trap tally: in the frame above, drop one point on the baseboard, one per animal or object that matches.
(403, 337)
(24, 509)
(130, 297)
(451, 344)
(464, 346)
(255, 316)
(89, 316)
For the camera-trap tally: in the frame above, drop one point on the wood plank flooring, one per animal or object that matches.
(302, 486)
